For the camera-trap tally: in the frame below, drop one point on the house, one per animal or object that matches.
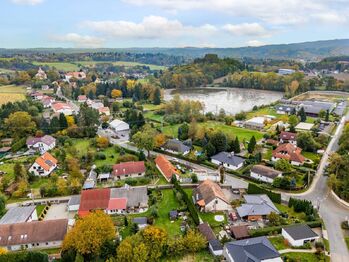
(47, 101)
(141, 222)
(45, 87)
(77, 75)
(6, 141)
(286, 71)
(175, 146)
(41, 75)
(60, 107)
(239, 232)
(313, 108)
(103, 177)
(36, 95)
(304, 127)
(256, 207)
(166, 168)
(173, 214)
(82, 98)
(91, 180)
(44, 165)
(257, 249)
(4, 151)
(298, 235)
(128, 170)
(19, 215)
(104, 111)
(228, 160)
(256, 123)
(33, 235)
(285, 109)
(96, 105)
(209, 196)
(289, 152)
(114, 200)
(264, 173)
(288, 137)
(41, 144)
(120, 128)
(214, 245)
(74, 203)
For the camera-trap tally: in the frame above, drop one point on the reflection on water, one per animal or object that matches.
(232, 100)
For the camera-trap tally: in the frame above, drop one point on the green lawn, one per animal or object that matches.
(39, 209)
(202, 256)
(278, 242)
(153, 116)
(209, 218)
(120, 63)
(242, 133)
(152, 107)
(12, 89)
(305, 257)
(111, 157)
(291, 213)
(82, 146)
(312, 156)
(64, 66)
(264, 111)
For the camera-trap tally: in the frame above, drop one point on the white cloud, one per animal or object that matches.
(331, 18)
(246, 29)
(276, 12)
(79, 40)
(27, 2)
(151, 27)
(255, 43)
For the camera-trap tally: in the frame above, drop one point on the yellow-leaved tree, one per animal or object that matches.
(90, 233)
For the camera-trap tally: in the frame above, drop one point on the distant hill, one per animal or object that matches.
(308, 50)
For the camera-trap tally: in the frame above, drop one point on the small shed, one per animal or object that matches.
(141, 222)
(298, 235)
(173, 215)
(74, 203)
(239, 232)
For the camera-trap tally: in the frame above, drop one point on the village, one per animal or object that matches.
(131, 159)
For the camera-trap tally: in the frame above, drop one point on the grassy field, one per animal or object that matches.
(11, 93)
(152, 116)
(152, 107)
(63, 66)
(203, 256)
(312, 156)
(265, 111)
(305, 257)
(242, 133)
(278, 242)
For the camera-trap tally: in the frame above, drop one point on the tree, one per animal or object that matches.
(210, 149)
(251, 145)
(327, 117)
(274, 219)
(302, 115)
(193, 127)
(155, 238)
(20, 172)
(160, 139)
(157, 97)
(283, 165)
(125, 251)
(20, 124)
(102, 142)
(194, 241)
(144, 139)
(2, 204)
(116, 93)
(332, 182)
(293, 120)
(63, 123)
(219, 141)
(306, 141)
(183, 132)
(90, 233)
(236, 146)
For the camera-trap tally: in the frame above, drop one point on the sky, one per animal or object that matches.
(169, 23)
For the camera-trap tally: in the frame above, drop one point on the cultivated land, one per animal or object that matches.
(11, 93)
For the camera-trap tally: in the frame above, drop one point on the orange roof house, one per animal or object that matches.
(44, 165)
(165, 167)
(289, 152)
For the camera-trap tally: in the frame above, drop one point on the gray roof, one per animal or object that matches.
(257, 205)
(252, 250)
(314, 107)
(140, 220)
(265, 171)
(17, 215)
(74, 200)
(229, 158)
(88, 184)
(136, 196)
(176, 145)
(215, 244)
(302, 231)
(285, 108)
(46, 139)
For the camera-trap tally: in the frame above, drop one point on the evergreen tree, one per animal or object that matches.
(54, 125)
(302, 115)
(62, 121)
(157, 97)
(251, 145)
(91, 95)
(183, 132)
(236, 146)
(327, 118)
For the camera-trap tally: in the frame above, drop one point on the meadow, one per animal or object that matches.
(11, 93)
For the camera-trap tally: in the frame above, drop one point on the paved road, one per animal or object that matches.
(330, 210)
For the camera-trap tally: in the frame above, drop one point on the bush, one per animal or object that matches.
(101, 156)
(254, 189)
(24, 256)
(18, 145)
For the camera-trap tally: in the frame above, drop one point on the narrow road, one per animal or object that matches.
(332, 212)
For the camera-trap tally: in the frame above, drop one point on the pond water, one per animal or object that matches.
(232, 100)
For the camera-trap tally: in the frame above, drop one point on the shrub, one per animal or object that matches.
(101, 156)
(24, 256)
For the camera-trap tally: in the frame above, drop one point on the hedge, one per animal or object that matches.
(268, 230)
(254, 189)
(24, 256)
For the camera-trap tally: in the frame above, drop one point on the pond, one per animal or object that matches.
(232, 100)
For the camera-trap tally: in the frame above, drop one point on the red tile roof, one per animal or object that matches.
(117, 203)
(128, 168)
(46, 161)
(60, 106)
(94, 199)
(165, 166)
(289, 152)
(288, 136)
